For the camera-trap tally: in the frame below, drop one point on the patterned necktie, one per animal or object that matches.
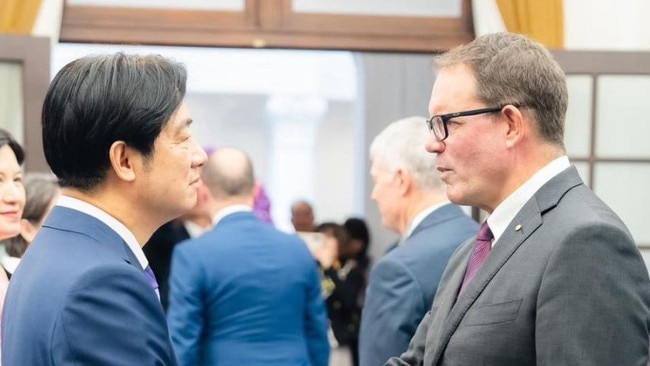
(152, 280)
(479, 254)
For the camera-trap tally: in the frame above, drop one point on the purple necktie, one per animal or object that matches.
(152, 279)
(479, 254)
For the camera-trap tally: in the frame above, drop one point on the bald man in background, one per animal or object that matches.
(302, 216)
(244, 293)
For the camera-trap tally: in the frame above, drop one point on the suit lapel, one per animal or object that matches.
(520, 228)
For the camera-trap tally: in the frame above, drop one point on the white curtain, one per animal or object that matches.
(487, 17)
(48, 20)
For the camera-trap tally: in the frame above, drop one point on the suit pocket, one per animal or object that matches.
(502, 312)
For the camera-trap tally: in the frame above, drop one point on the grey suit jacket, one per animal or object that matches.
(564, 285)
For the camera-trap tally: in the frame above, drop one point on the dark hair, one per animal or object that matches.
(7, 139)
(94, 101)
(40, 190)
(358, 229)
(337, 231)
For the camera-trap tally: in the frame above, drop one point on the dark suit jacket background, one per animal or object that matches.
(158, 251)
(345, 302)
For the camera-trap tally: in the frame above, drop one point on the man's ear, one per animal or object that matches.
(122, 159)
(404, 181)
(516, 125)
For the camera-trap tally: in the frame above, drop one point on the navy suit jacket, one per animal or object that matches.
(403, 283)
(245, 293)
(80, 297)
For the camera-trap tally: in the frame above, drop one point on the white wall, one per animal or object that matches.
(607, 25)
(227, 94)
(588, 24)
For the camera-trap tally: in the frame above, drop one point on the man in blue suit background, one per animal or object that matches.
(412, 201)
(116, 134)
(244, 293)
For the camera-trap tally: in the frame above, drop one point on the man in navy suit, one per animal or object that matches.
(116, 133)
(244, 293)
(412, 202)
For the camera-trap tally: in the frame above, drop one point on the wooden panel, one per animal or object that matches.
(33, 53)
(265, 23)
(603, 62)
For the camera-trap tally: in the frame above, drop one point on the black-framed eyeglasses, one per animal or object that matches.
(438, 124)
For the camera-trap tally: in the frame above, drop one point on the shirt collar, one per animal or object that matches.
(193, 229)
(110, 221)
(420, 217)
(10, 263)
(506, 211)
(230, 210)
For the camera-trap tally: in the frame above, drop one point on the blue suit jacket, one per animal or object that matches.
(403, 283)
(79, 297)
(245, 293)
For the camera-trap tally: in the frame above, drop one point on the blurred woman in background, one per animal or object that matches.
(343, 283)
(41, 191)
(12, 195)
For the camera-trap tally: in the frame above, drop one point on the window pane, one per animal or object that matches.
(625, 189)
(577, 131)
(415, 8)
(11, 98)
(622, 116)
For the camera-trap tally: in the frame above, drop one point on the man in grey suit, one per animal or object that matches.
(412, 202)
(560, 281)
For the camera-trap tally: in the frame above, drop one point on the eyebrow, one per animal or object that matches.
(184, 123)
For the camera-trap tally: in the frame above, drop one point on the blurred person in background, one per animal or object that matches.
(302, 216)
(12, 196)
(357, 229)
(343, 282)
(41, 190)
(412, 202)
(262, 203)
(244, 293)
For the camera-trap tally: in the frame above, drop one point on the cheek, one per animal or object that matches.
(468, 157)
(374, 194)
(8, 228)
(381, 194)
